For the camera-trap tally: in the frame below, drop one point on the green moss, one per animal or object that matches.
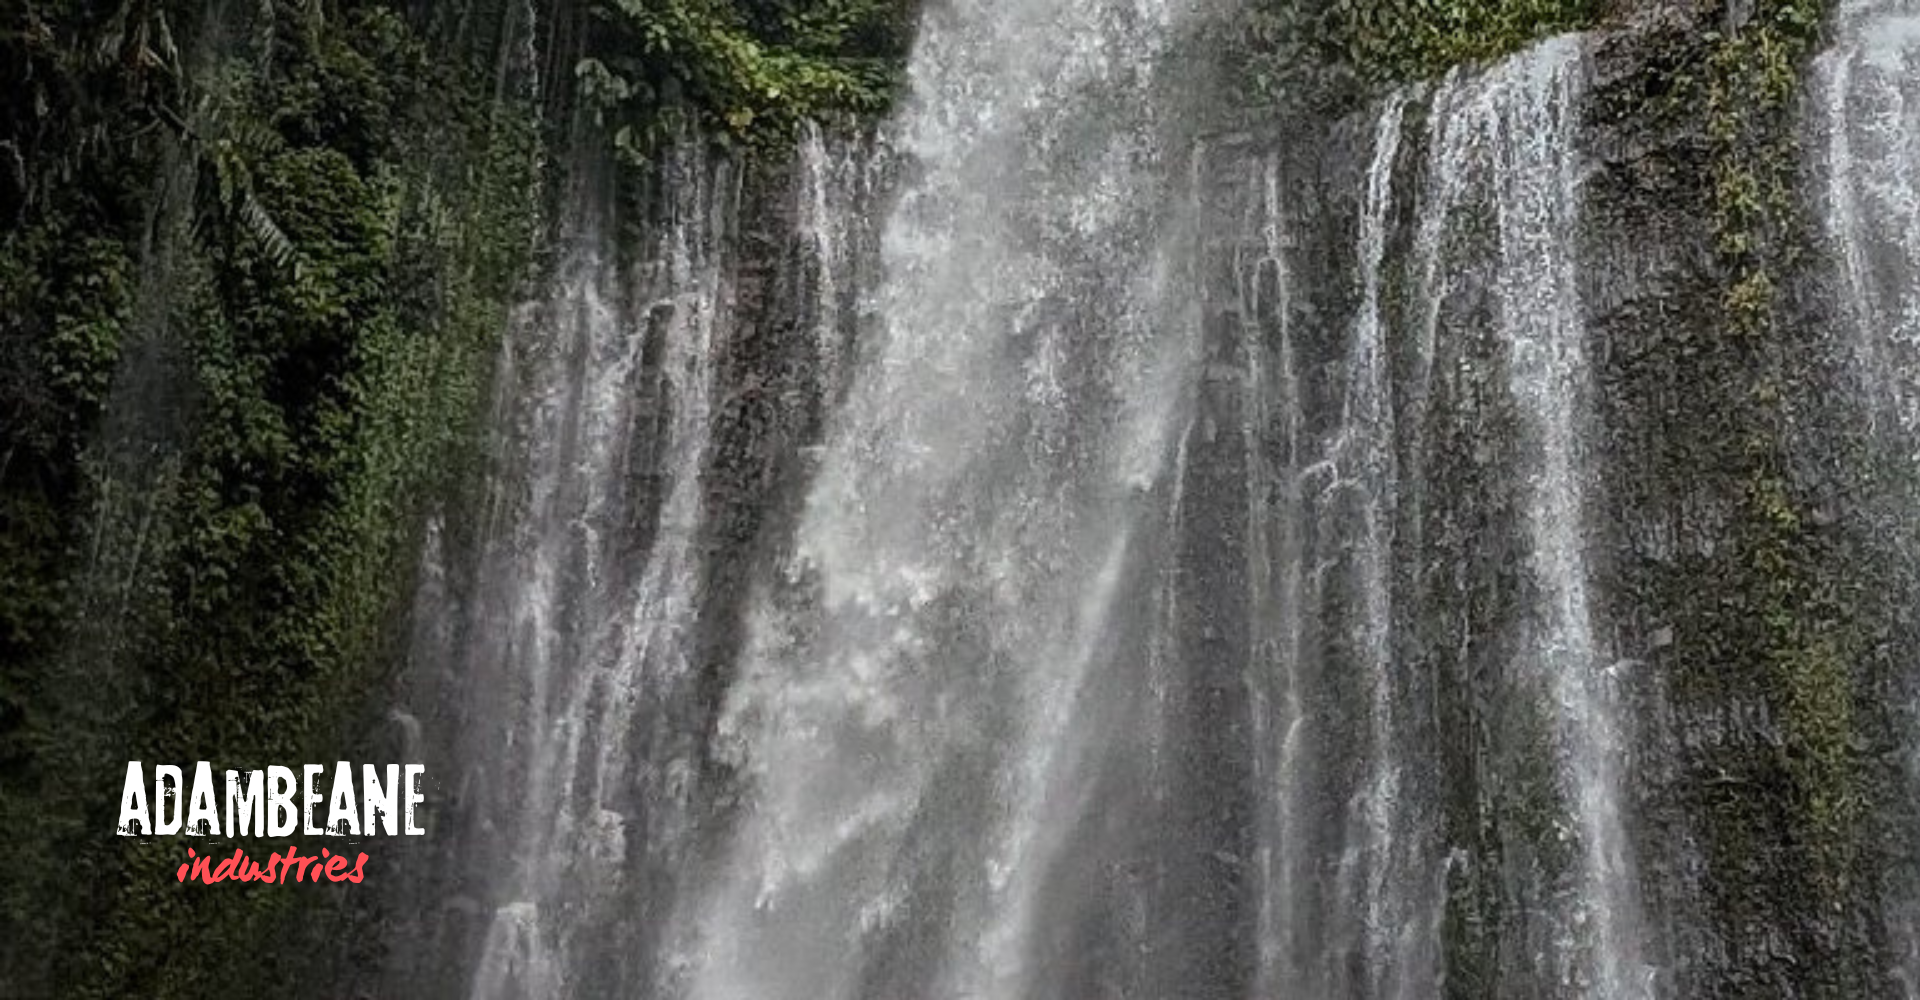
(1809, 645)
(1784, 634)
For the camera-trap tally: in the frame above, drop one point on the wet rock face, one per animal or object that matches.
(1719, 827)
(1672, 397)
(1773, 702)
(1446, 738)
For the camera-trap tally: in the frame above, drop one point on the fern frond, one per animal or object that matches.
(267, 233)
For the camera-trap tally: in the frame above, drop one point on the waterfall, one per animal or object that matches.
(840, 182)
(1354, 892)
(1869, 106)
(1146, 609)
(1522, 119)
(1537, 205)
(920, 729)
(1341, 491)
(1275, 716)
(567, 664)
(1864, 109)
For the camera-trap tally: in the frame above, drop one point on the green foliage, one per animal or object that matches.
(1416, 38)
(240, 347)
(1753, 77)
(749, 70)
(1304, 51)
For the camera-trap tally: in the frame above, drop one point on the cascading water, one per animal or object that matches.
(919, 731)
(1336, 522)
(839, 182)
(1536, 203)
(1868, 103)
(572, 655)
(1864, 106)
(1354, 893)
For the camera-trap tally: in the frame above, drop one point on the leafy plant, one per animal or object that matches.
(751, 71)
(1296, 50)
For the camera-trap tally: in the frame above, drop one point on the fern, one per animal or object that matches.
(230, 147)
(268, 233)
